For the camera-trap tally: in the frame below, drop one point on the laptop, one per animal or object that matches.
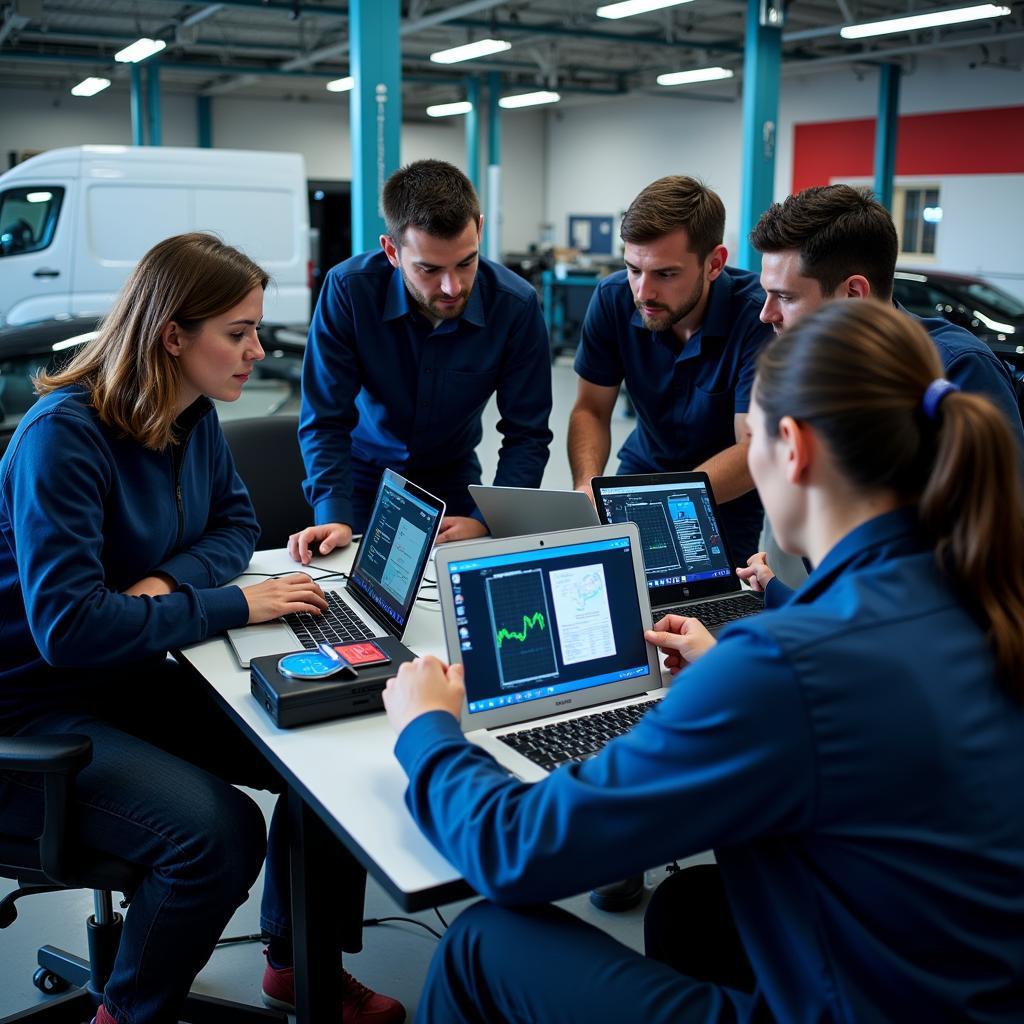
(514, 511)
(377, 598)
(550, 631)
(687, 563)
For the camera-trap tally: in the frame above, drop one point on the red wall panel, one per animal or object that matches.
(989, 141)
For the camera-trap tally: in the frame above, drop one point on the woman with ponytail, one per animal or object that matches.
(855, 758)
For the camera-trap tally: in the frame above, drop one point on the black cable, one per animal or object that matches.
(232, 940)
(371, 921)
(441, 919)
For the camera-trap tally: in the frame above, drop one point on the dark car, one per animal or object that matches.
(272, 389)
(993, 315)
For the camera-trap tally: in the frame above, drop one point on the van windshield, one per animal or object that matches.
(28, 217)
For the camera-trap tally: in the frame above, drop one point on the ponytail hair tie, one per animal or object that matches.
(934, 394)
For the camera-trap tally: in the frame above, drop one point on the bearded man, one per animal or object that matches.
(407, 345)
(681, 330)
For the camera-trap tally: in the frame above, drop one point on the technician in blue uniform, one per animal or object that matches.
(406, 347)
(121, 520)
(681, 329)
(856, 759)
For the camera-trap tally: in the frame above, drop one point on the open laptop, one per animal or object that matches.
(687, 563)
(550, 631)
(377, 598)
(514, 511)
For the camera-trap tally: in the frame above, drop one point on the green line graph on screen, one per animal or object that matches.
(521, 625)
(534, 621)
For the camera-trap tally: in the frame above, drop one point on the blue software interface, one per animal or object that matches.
(539, 623)
(679, 534)
(394, 550)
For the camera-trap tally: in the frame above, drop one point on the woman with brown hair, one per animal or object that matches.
(122, 519)
(855, 758)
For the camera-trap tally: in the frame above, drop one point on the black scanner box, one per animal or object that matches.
(291, 702)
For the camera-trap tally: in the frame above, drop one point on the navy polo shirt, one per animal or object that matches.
(381, 385)
(686, 400)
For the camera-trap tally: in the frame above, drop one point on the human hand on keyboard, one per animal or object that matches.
(273, 598)
(425, 684)
(681, 639)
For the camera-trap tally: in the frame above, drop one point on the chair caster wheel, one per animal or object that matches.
(49, 983)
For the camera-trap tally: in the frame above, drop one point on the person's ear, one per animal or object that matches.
(856, 286)
(797, 440)
(716, 260)
(480, 228)
(172, 339)
(387, 243)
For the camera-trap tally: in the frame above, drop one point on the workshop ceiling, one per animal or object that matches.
(291, 48)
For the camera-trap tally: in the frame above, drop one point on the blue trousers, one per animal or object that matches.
(159, 792)
(543, 964)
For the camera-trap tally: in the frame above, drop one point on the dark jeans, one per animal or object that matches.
(543, 964)
(448, 484)
(159, 793)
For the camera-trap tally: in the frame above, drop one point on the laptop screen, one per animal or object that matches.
(539, 623)
(679, 534)
(395, 548)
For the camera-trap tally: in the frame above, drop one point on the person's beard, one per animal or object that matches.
(431, 307)
(663, 321)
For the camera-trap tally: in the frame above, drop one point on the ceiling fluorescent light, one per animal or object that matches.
(139, 50)
(628, 8)
(341, 84)
(528, 99)
(697, 75)
(449, 109)
(481, 48)
(90, 86)
(913, 22)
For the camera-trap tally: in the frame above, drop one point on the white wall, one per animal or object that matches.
(602, 154)
(44, 119)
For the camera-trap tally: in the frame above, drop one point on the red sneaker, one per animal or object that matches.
(360, 1005)
(103, 1016)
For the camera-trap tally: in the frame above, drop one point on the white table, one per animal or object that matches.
(343, 782)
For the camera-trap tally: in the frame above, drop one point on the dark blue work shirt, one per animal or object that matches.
(381, 385)
(973, 366)
(855, 765)
(686, 400)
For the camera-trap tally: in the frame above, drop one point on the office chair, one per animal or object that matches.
(53, 862)
(266, 454)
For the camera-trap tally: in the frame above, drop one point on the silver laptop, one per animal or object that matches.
(687, 563)
(514, 511)
(378, 596)
(550, 631)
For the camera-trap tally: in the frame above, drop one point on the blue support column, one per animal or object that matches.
(473, 132)
(153, 102)
(375, 62)
(136, 102)
(762, 62)
(204, 122)
(886, 128)
(492, 220)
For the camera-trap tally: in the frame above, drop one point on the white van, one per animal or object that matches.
(73, 223)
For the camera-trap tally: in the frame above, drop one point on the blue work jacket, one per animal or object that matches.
(84, 514)
(852, 760)
(382, 385)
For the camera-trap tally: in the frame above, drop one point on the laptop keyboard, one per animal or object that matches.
(575, 739)
(717, 613)
(338, 625)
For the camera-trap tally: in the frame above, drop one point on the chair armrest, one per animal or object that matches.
(58, 759)
(43, 754)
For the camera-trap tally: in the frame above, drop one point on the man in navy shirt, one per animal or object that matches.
(406, 347)
(682, 330)
(838, 242)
